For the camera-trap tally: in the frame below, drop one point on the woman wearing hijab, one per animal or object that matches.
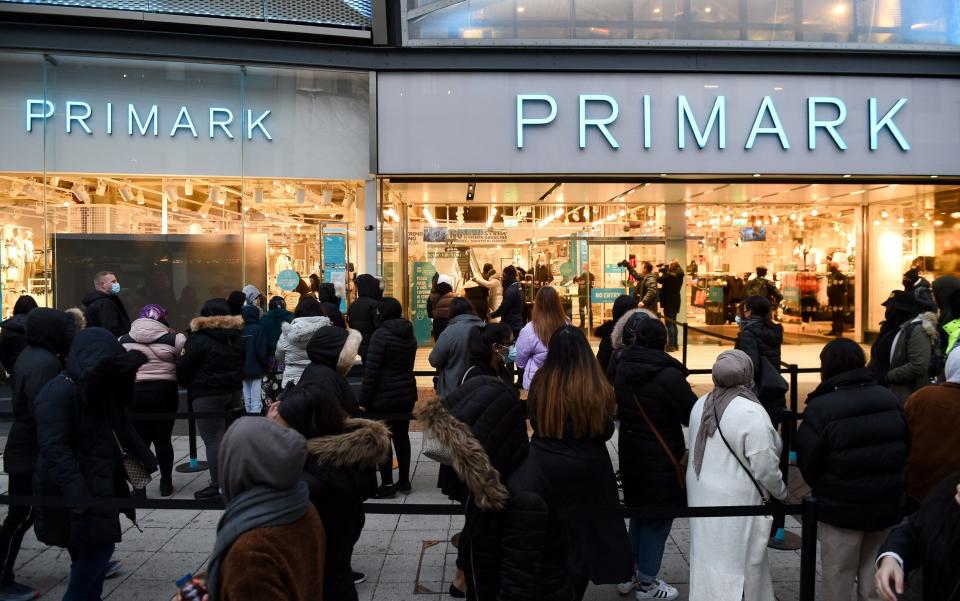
(852, 450)
(270, 541)
(735, 460)
(934, 416)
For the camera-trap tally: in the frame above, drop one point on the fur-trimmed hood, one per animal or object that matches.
(616, 338)
(334, 347)
(470, 461)
(928, 321)
(79, 320)
(217, 322)
(364, 445)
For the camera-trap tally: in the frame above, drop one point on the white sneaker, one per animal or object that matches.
(657, 590)
(625, 588)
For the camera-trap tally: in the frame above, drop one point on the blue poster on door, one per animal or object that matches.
(422, 282)
(335, 265)
(605, 295)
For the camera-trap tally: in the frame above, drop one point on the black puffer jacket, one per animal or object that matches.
(605, 350)
(487, 434)
(331, 304)
(760, 337)
(13, 339)
(213, 357)
(49, 338)
(331, 351)
(389, 385)
(78, 413)
(543, 555)
(364, 313)
(852, 449)
(930, 539)
(671, 281)
(659, 383)
(106, 311)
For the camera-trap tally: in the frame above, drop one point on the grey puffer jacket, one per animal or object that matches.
(450, 355)
(910, 357)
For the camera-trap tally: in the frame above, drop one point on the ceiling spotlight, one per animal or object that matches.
(301, 196)
(140, 200)
(491, 215)
(171, 191)
(213, 195)
(32, 191)
(257, 195)
(327, 196)
(55, 181)
(126, 192)
(471, 190)
(429, 217)
(81, 192)
(222, 197)
(101, 187)
(188, 188)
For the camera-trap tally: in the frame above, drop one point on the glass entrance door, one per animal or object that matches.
(610, 280)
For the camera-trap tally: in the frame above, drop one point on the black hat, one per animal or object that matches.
(903, 301)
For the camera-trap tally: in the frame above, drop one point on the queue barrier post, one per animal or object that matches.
(686, 337)
(779, 538)
(808, 550)
(193, 465)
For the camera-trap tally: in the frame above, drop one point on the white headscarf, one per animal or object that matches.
(952, 369)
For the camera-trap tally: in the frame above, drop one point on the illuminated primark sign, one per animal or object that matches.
(213, 122)
(823, 113)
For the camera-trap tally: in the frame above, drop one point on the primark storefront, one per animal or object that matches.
(559, 136)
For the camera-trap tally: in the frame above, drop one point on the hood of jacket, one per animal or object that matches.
(95, 295)
(642, 364)
(943, 288)
(765, 330)
(251, 314)
(97, 359)
(328, 293)
(16, 324)
(928, 323)
(861, 376)
(368, 286)
(470, 461)
(217, 326)
(279, 314)
(51, 329)
(364, 444)
(335, 348)
(401, 328)
(147, 331)
(301, 329)
(616, 338)
(464, 318)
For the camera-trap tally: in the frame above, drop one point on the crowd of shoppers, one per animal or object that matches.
(876, 441)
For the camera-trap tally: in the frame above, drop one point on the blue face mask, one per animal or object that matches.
(115, 288)
(738, 320)
(511, 355)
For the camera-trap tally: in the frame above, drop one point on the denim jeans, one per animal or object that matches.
(647, 539)
(671, 329)
(87, 572)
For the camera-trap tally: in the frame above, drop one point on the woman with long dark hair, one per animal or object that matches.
(532, 344)
(543, 555)
(510, 310)
(490, 352)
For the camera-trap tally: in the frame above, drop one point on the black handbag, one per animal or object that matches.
(770, 384)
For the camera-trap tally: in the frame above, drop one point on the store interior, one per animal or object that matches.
(718, 232)
(198, 237)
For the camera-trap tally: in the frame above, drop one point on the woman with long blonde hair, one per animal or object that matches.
(534, 338)
(568, 466)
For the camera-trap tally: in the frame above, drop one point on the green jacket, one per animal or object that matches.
(953, 333)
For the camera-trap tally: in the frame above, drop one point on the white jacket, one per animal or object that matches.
(728, 556)
(292, 346)
(495, 287)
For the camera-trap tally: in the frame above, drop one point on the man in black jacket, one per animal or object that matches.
(852, 449)
(510, 311)
(49, 333)
(761, 338)
(647, 290)
(671, 281)
(363, 315)
(13, 333)
(104, 309)
(928, 539)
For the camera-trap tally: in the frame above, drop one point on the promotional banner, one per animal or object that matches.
(422, 283)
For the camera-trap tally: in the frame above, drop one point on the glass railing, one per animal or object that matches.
(337, 13)
(883, 24)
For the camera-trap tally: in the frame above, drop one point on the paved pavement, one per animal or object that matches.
(404, 557)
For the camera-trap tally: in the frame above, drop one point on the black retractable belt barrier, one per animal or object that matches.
(808, 551)
(780, 538)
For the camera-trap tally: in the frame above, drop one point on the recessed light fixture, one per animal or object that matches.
(934, 176)
(188, 188)
(521, 9)
(756, 175)
(847, 175)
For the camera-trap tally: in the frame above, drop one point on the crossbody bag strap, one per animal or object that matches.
(745, 469)
(663, 443)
